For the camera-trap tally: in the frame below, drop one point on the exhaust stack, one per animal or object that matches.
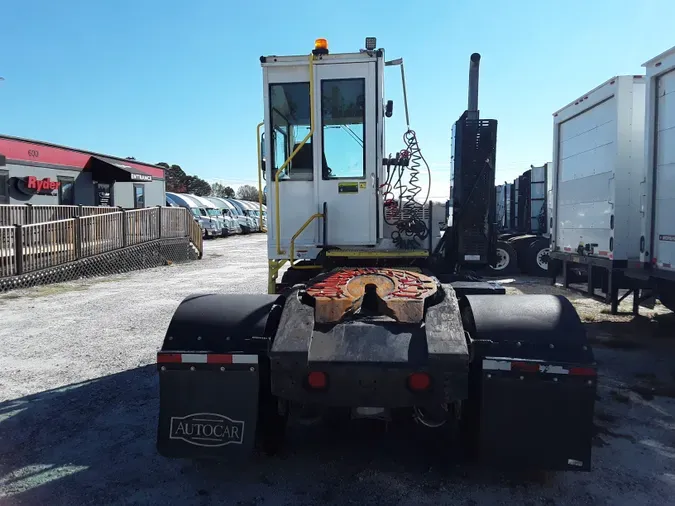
(472, 110)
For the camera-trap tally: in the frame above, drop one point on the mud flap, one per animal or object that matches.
(207, 412)
(531, 419)
(533, 382)
(214, 374)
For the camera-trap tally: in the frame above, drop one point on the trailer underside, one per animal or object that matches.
(606, 280)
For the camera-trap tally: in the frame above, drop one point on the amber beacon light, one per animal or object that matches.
(320, 46)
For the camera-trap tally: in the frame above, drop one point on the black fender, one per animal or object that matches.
(224, 323)
(533, 382)
(540, 327)
(214, 387)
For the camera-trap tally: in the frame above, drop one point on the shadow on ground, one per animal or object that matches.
(94, 443)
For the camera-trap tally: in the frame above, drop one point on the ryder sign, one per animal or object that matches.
(32, 185)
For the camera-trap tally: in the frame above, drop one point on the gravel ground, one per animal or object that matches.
(78, 408)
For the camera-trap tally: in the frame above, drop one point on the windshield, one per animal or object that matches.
(213, 212)
(195, 211)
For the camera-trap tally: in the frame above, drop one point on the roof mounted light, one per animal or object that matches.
(320, 46)
(371, 43)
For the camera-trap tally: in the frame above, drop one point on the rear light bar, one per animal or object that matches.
(536, 367)
(205, 358)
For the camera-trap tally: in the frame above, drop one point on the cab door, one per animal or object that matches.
(345, 151)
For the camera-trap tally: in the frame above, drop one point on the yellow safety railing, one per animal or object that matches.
(260, 170)
(296, 235)
(277, 217)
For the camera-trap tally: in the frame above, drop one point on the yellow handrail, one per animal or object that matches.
(297, 234)
(260, 169)
(276, 176)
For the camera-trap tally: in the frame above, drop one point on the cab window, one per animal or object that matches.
(343, 117)
(289, 113)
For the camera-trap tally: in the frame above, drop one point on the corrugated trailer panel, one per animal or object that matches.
(500, 201)
(659, 210)
(538, 210)
(549, 197)
(597, 168)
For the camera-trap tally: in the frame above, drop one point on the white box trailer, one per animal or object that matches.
(598, 165)
(598, 149)
(658, 189)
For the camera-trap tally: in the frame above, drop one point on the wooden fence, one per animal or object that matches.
(28, 214)
(31, 247)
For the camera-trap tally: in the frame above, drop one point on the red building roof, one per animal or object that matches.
(51, 154)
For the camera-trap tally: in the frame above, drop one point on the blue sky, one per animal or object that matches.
(181, 82)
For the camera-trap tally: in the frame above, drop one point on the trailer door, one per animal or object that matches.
(586, 156)
(664, 169)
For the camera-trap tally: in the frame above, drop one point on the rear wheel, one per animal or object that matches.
(536, 260)
(667, 298)
(272, 422)
(506, 260)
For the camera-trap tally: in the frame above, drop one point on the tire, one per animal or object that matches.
(667, 299)
(520, 244)
(507, 261)
(536, 260)
(296, 276)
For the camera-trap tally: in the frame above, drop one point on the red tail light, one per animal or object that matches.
(582, 371)
(419, 381)
(317, 380)
(524, 366)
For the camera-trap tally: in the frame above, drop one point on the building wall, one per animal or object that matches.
(123, 193)
(84, 190)
(155, 194)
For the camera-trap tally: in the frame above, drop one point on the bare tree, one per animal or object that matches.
(222, 191)
(247, 192)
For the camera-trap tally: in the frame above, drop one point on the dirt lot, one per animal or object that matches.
(78, 408)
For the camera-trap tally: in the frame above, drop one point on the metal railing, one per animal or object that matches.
(26, 248)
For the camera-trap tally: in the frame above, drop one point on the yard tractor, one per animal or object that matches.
(379, 313)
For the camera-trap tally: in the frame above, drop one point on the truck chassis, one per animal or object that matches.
(515, 374)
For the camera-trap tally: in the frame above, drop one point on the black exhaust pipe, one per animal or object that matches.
(472, 110)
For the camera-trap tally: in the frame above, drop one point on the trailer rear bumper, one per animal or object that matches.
(537, 415)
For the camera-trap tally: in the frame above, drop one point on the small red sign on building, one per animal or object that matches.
(33, 185)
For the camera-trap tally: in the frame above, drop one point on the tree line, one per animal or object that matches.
(178, 181)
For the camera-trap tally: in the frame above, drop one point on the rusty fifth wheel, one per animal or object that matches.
(399, 293)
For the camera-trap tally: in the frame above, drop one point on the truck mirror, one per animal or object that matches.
(389, 108)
